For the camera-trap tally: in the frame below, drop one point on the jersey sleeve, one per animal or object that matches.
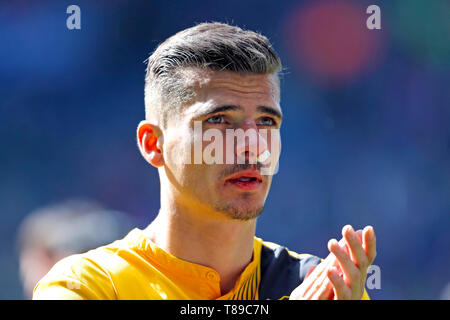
(75, 278)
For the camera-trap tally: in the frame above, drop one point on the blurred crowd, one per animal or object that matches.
(366, 134)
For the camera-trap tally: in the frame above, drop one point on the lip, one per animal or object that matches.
(245, 185)
(246, 173)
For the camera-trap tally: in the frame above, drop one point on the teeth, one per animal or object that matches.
(244, 179)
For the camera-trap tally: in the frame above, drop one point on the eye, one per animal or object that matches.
(216, 119)
(266, 121)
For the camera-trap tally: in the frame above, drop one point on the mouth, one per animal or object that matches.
(245, 180)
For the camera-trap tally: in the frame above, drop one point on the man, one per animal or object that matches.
(211, 80)
(53, 232)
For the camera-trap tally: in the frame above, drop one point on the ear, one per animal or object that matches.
(149, 138)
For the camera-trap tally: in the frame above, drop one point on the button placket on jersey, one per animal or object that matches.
(210, 288)
(212, 276)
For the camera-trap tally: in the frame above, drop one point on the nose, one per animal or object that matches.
(252, 146)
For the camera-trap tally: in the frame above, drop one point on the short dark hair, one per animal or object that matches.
(214, 46)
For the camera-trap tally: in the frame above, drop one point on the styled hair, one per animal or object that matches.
(213, 46)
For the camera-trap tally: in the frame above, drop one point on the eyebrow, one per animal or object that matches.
(270, 110)
(222, 109)
(261, 109)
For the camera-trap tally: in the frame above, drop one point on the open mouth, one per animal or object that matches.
(245, 180)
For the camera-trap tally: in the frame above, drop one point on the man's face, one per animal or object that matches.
(233, 183)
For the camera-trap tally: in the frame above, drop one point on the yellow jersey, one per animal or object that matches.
(136, 268)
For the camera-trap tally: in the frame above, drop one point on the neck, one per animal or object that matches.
(212, 240)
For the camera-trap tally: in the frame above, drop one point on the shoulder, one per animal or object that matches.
(79, 276)
(89, 275)
(282, 270)
(278, 251)
(275, 256)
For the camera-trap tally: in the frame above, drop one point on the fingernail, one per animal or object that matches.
(346, 229)
(371, 232)
(331, 242)
(331, 273)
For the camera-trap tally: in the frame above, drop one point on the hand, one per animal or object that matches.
(325, 281)
(316, 285)
(353, 262)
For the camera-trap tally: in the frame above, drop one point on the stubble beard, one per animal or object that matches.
(239, 212)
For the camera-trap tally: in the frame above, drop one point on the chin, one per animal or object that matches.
(243, 212)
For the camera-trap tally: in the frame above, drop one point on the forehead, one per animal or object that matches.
(223, 87)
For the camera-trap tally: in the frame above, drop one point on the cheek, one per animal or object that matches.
(179, 158)
(176, 152)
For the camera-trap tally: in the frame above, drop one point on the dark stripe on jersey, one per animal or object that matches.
(249, 288)
(246, 289)
(241, 291)
(252, 286)
(257, 281)
(281, 272)
(236, 295)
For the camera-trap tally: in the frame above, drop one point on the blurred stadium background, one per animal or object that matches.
(366, 136)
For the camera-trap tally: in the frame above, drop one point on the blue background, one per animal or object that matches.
(366, 136)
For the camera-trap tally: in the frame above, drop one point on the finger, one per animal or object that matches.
(315, 278)
(345, 248)
(309, 271)
(341, 290)
(369, 243)
(359, 234)
(317, 272)
(312, 278)
(357, 253)
(352, 274)
(325, 292)
(313, 283)
(319, 286)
